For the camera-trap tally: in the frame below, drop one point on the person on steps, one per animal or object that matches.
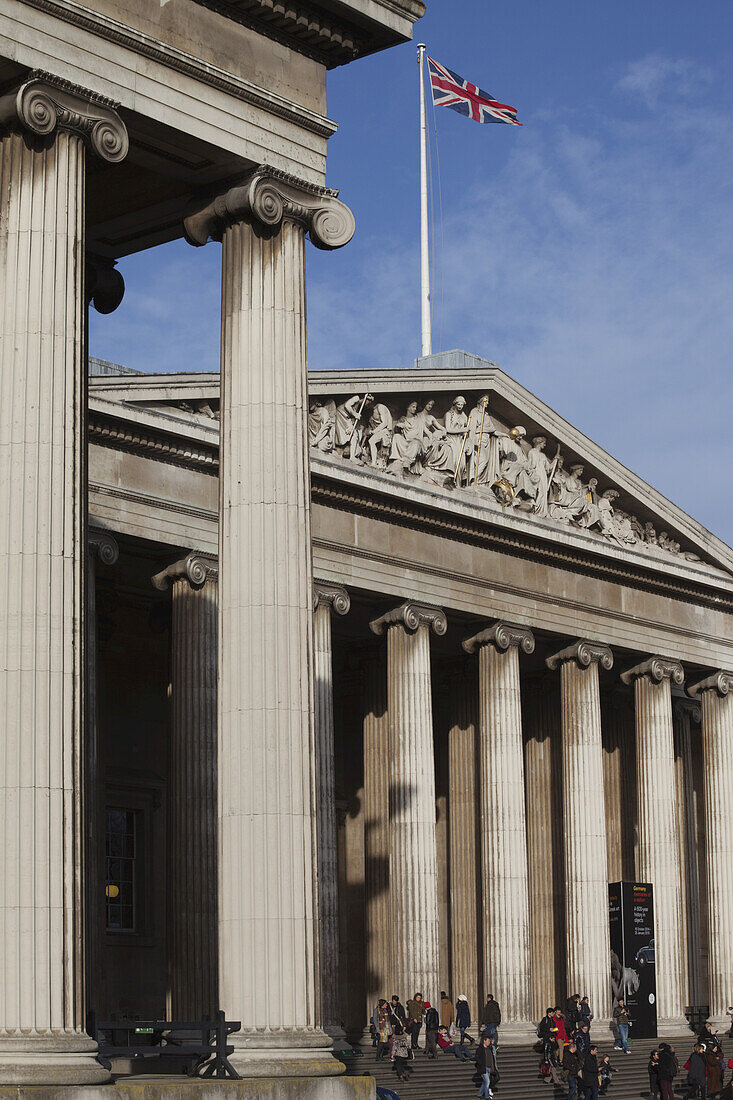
(653, 1071)
(400, 1053)
(590, 1074)
(622, 1020)
(484, 1066)
(444, 1042)
(463, 1017)
(415, 1014)
(490, 1019)
(605, 1074)
(446, 1010)
(383, 1028)
(571, 1065)
(696, 1078)
(432, 1023)
(668, 1070)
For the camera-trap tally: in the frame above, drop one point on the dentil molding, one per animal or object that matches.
(43, 104)
(657, 669)
(265, 198)
(412, 615)
(584, 653)
(503, 636)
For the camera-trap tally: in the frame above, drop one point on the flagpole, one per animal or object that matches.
(424, 245)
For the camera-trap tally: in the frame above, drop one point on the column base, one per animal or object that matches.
(671, 1027)
(517, 1033)
(291, 1052)
(338, 1037)
(50, 1060)
(157, 1088)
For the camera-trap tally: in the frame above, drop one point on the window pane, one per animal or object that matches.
(121, 850)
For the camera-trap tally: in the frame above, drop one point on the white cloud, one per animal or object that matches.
(655, 75)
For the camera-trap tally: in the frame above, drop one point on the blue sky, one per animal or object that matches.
(589, 253)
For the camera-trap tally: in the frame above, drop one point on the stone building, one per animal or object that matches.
(341, 684)
(516, 703)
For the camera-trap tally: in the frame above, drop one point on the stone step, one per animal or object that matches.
(447, 1079)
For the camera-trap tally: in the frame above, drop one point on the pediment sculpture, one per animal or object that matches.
(469, 450)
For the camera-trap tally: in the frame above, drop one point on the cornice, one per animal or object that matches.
(453, 525)
(111, 30)
(502, 635)
(126, 435)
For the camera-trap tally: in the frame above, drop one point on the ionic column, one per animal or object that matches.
(503, 823)
(377, 770)
(44, 124)
(413, 864)
(327, 598)
(584, 818)
(464, 839)
(103, 547)
(658, 850)
(685, 712)
(193, 956)
(268, 953)
(716, 695)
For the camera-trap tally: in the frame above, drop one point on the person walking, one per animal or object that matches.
(491, 1018)
(582, 1040)
(446, 1010)
(463, 1018)
(653, 1071)
(571, 1065)
(449, 1047)
(590, 1073)
(383, 1024)
(668, 1070)
(696, 1077)
(484, 1066)
(622, 1020)
(432, 1023)
(415, 1014)
(400, 1053)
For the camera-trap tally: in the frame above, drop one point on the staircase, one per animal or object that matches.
(448, 1079)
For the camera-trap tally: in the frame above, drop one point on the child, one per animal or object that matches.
(606, 1072)
(653, 1071)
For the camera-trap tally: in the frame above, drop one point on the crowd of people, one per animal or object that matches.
(569, 1057)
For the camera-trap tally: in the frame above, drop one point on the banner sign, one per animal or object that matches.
(633, 963)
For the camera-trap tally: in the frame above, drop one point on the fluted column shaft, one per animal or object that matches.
(327, 599)
(586, 886)
(716, 694)
(193, 956)
(504, 877)
(377, 770)
(267, 937)
(413, 858)
(41, 646)
(689, 865)
(658, 851)
(464, 840)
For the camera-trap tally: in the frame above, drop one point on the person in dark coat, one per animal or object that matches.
(491, 1018)
(585, 1013)
(463, 1018)
(432, 1023)
(415, 1014)
(546, 1033)
(668, 1070)
(709, 1038)
(590, 1073)
(696, 1073)
(571, 1065)
(398, 1010)
(582, 1040)
(484, 1066)
(572, 1010)
(653, 1071)
(714, 1070)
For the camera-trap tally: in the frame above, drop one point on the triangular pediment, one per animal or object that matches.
(516, 458)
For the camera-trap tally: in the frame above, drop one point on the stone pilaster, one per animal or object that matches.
(268, 943)
(413, 866)
(687, 713)
(193, 956)
(716, 695)
(102, 547)
(44, 125)
(327, 599)
(464, 839)
(505, 894)
(658, 852)
(377, 770)
(586, 885)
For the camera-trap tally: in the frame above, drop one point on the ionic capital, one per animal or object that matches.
(503, 636)
(267, 197)
(197, 568)
(103, 545)
(720, 682)
(657, 669)
(412, 616)
(687, 708)
(44, 103)
(331, 595)
(584, 653)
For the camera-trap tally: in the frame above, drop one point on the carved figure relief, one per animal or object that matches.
(473, 451)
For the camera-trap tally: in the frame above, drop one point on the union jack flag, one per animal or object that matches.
(451, 90)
